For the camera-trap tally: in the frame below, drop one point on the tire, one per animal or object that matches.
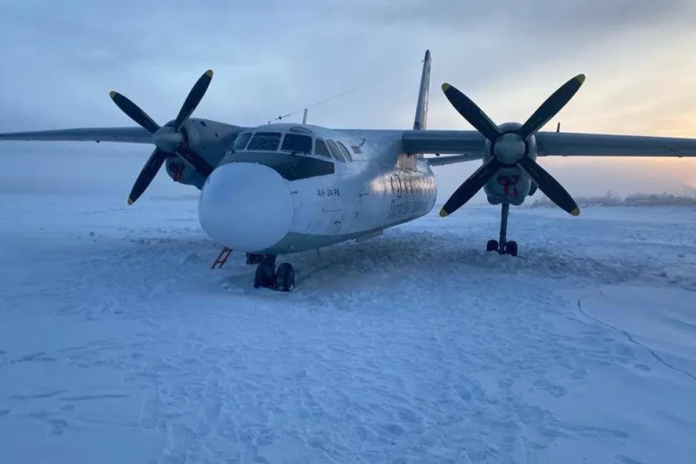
(492, 245)
(265, 276)
(511, 248)
(285, 277)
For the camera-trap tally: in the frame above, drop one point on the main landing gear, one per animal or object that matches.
(267, 276)
(502, 246)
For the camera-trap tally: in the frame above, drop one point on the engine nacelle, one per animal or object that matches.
(510, 184)
(209, 139)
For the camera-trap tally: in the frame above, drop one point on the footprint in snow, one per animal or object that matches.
(643, 367)
(57, 426)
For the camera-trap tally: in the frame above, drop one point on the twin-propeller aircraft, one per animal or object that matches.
(284, 188)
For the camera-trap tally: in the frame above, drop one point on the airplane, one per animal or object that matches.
(284, 188)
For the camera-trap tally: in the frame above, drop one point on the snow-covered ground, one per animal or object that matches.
(119, 344)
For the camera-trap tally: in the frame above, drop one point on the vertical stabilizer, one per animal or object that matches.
(422, 109)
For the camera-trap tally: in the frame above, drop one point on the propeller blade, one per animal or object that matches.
(194, 159)
(470, 186)
(134, 112)
(549, 186)
(154, 163)
(551, 106)
(194, 98)
(471, 112)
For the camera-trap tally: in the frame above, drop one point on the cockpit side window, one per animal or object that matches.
(320, 148)
(241, 141)
(335, 151)
(264, 141)
(345, 151)
(296, 143)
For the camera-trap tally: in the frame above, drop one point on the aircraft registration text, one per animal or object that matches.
(329, 192)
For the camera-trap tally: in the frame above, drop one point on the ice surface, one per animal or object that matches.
(119, 344)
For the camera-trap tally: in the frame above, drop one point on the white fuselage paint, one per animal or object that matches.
(382, 187)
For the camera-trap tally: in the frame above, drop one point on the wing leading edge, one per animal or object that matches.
(96, 134)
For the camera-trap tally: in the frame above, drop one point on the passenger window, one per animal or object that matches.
(241, 141)
(344, 150)
(320, 148)
(265, 141)
(335, 151)
(295, 143)
(356, 149)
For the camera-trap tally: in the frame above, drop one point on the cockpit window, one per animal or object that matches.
(335, 151)
(241, 141)
(344, 150)
(265, 141)
(295, 143)
(320, 148)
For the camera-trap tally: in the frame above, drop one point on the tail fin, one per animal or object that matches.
(422, 109)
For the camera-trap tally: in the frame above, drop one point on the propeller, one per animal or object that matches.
(168, 140)
(511, 148)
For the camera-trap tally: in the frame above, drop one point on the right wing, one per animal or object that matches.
(97, 134)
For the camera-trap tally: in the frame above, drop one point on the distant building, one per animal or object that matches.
(636, 199)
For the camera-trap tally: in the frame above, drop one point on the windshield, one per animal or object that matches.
(320, 148)
(333, 148)
(241, 141)
(265, 141)
(295, 143)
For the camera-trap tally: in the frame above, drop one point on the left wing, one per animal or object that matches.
(470, 145)
(97, 134)
(574, 144)
(443, 160)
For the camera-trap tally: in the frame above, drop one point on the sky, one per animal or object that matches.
(61, 59)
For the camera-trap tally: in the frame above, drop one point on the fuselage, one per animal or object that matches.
(285, 188)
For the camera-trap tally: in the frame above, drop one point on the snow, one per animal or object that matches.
(118, 343)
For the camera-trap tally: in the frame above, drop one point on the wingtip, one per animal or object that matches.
(580, 78)
(209, 73)
(445, 87)
(443, 213)
(130, 202)
(575, 212)
(112, 94)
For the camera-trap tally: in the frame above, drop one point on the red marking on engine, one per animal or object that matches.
(506, 182)
(177, 171)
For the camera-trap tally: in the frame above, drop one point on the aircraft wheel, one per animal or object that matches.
(511, 248)
(285, 277)
(265, 275)
(492, 245)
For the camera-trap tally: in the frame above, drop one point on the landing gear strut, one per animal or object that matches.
(267, 276)
(502, 246)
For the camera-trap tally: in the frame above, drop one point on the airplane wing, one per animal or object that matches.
(443, 160)
(97, 134)
(470, 145)
(575, 144)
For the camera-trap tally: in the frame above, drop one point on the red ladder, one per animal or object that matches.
(222, 258)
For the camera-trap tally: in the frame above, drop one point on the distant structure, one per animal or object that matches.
(664, 199)
(636, 199)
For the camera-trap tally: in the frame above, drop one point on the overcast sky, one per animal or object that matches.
(61, 59)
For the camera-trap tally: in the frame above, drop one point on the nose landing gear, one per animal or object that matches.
(267, 276)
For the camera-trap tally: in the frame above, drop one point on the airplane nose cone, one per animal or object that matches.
(246, 207)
